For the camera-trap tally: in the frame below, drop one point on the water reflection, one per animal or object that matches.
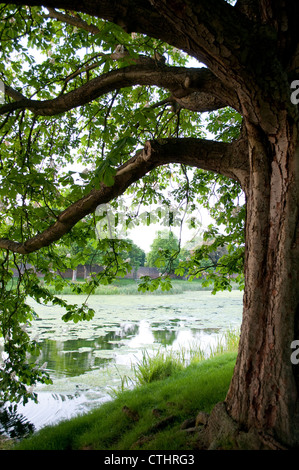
(76, 356)
(14, 424)
(144, 337)
(51, 408)
(165, 337)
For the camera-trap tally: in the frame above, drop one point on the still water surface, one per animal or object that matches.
(87, 359)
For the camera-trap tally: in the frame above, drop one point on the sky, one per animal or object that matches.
(121, 223)
(143, 236)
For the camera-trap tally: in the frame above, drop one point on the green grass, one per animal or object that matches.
(152, 368)
(197, 387)
(130, 287)
(166, 362)
(123, 286)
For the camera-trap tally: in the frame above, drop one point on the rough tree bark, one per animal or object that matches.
(261, 410)
(252, 53)
(263, 395)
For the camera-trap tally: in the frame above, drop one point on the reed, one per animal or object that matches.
(166, 361)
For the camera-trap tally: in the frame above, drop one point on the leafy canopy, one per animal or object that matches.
(49, 162)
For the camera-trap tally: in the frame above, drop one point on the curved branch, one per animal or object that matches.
(227, 159)
(72, 20)
(172, 22)
(214, 30)
(180, 81)
(14, 94)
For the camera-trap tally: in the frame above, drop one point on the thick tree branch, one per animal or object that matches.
(179, 80)
(223, 37)
(72, 20)
(213, 28)
(210, 30)
(228, 159)
(250, 8)
(14, 94)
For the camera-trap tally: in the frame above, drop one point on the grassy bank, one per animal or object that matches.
(148, 417)
(130, 287)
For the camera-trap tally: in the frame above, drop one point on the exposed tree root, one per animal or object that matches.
(221, 432)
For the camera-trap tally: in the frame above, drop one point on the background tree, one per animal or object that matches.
(91, 254)
(164, 252)
(87, 82)
(135, 254)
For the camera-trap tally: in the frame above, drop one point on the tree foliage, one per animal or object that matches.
(164, 252)
(82, 97)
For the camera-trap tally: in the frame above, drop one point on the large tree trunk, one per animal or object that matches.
(264, 390)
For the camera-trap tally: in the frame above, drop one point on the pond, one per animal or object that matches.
(86, 360)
